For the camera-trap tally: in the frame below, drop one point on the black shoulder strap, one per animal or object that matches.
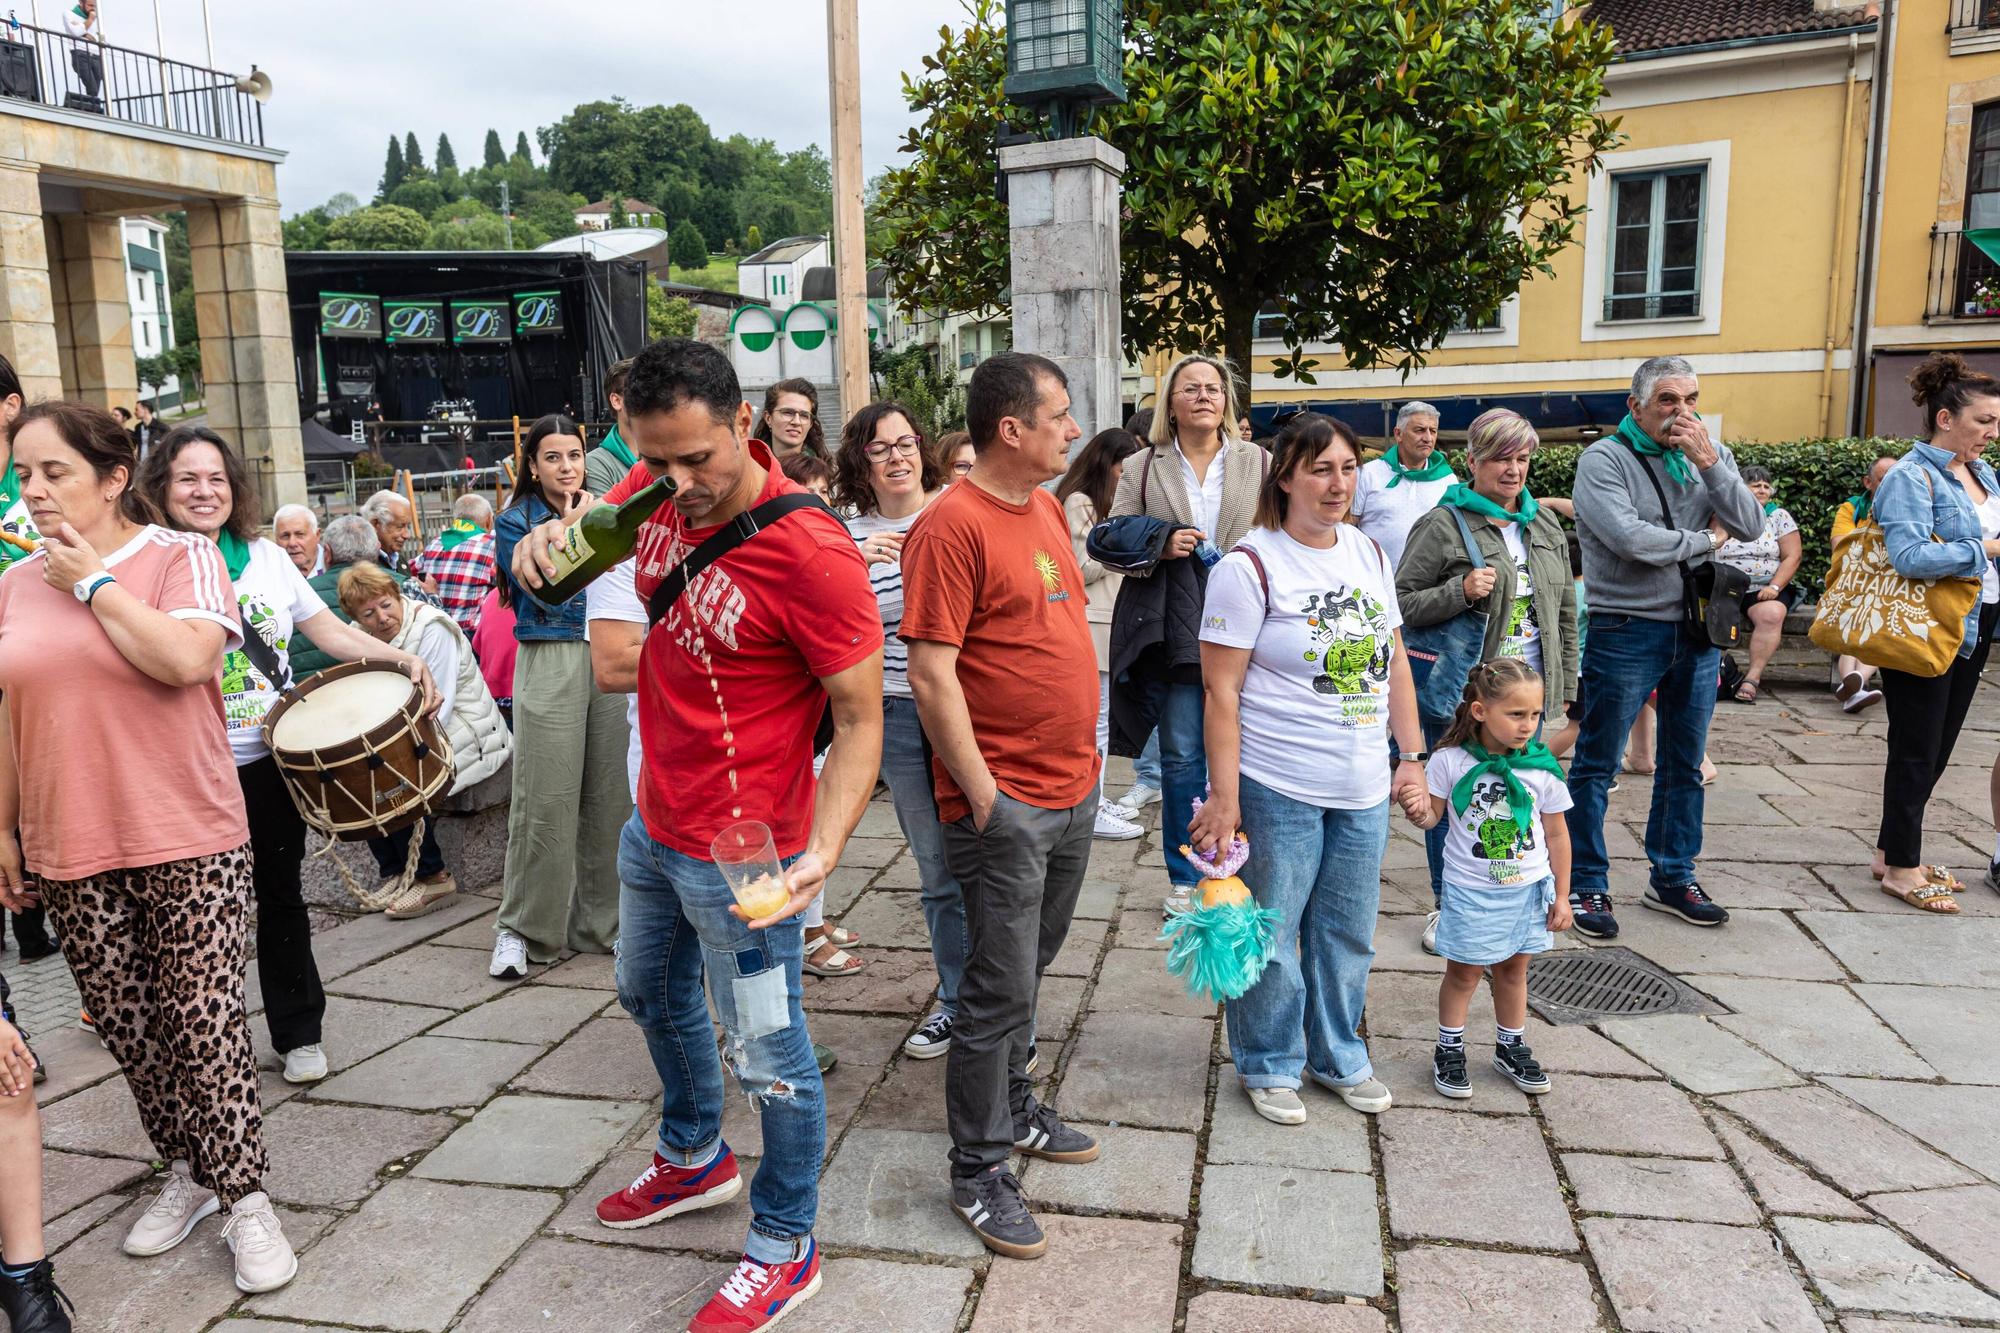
(1145, 477)
(737, 531)
(1690, 589)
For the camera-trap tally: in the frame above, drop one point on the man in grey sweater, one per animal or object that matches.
(1641, 639)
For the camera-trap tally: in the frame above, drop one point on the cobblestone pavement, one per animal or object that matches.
(1819, 1153)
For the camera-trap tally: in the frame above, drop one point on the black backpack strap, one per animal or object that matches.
(733, 534)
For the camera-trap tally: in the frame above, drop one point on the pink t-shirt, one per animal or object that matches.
(493, 644)
(117, 770)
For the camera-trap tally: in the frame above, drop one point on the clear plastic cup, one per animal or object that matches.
(748, 860)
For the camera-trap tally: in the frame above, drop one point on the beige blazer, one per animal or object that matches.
(1243, 465)
(1099, 584)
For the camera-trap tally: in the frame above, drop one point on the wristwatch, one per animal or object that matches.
(1412, 757)
(86, 588)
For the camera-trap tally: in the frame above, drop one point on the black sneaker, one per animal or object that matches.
(1517, 1062)
(992, 1206)
(1034, 1060)
(1593, 915)
(34, 1303)
(931, 1040)
(1448, 1073)
(1687, 902)
(1043, 1134)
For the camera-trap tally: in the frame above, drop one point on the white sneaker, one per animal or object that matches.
(305, 1064)
(1113, 826)
(1280, 1106)
(931, 1040)
(1142, 795)
(1369, 1098)
(510, 956)
(264, 1258)
(180, 1204)
(1181, 899)
(1430, 932)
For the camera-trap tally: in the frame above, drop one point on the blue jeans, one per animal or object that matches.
(906, 767)
(674, 923)
(1184, 766)
(1321, 871)
(1146, 768)
(1624, 660)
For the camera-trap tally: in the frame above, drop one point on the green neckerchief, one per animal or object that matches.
(235, 552)
(10, 487)
(1645, 446)
(1437, 469)
(1769, 505)
(461, 530)
(1464, 497)
(1862, 503)
(615, 443)
(1535, 756)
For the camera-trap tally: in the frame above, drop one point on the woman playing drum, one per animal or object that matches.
(199, 484)
(115, 770)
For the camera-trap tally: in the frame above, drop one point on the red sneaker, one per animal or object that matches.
(756, 1296)
(664, 1190)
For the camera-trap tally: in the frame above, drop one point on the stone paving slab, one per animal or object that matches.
(100, 1119)
(1142, 1172)
(888, 921)
(74, 1059)
(545, 1141)
(1844, 1143)
(334, 1156)
(71, 1180)
(1078, 955)
(606, 1058)
(717, 1232)
(355, 1029)
(1695, 1277)
(1816, 1029)
(1233, 1312)
(1956, 1121)
(896, 981)
(1859, 1266)
(584, 971)
(889, 1190)
(1661, 1187)
(1952, 1027)
(1484, 1179)
(1698, 1055)
(1962, 1224)
(1099, 1273)
(1333, 1138)
(1273, 1226)
(1753, 944)
(1473, 1291)
(1136, 981)
(1782, 1186)
(1405, 1068)
(558, 1284)
(532, 1015)
(1897, 949)
(429, 1073)
(428, 974)
(1626, 1116)
(1101, 1085)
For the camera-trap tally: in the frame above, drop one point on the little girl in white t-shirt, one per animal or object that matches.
(1506, 864)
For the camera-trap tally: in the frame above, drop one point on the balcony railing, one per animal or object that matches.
(1963, 283)
(1974, 14)
(55, 69)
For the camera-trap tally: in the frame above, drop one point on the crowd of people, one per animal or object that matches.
(1293, 641)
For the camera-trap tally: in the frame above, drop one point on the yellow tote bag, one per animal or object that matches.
(1872, 612)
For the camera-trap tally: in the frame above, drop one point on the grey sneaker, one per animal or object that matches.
(1369, 1098)
(992, 1206)
(1430, 940)
(1280, 1106)
(264, 1258)
(179, 1205)
(1043, 1134)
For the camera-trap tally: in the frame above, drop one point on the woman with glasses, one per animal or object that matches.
(790, 420)
(955, 455)
(1203, 480)
(887, 478)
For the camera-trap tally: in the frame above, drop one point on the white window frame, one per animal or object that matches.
(1598, 229)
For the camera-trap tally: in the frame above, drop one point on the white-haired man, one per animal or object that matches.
(296, 528)
(394, 521)
(459, 562)
(1653, 502)
(1404, 484)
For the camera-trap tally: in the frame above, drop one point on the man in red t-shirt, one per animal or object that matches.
(994, 611)
(732, 683)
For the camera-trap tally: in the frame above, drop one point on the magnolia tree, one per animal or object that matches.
(1380, 173)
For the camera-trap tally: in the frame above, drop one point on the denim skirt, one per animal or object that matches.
(1491, 923)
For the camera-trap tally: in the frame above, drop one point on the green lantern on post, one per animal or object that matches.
(1064, 55)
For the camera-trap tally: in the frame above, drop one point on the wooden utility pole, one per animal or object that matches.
(850, 247)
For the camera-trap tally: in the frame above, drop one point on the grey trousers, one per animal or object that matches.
(1020, 878)
(570, 801)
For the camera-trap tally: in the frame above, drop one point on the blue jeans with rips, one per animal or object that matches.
(906, 767)
(1321, 871)
(1184, 770)
(1624, 660)
(674, 924)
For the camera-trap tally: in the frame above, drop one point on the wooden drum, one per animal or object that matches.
(360, 756)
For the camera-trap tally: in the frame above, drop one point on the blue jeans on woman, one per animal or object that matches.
(1184, 774)
(674, 922)
(1321, 871)
(906, 767)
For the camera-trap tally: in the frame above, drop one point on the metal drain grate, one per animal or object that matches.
(1587, 985)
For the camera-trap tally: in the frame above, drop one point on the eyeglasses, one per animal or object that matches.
(792, 414)
(906, 445)
(1199, 391)
(962, 469)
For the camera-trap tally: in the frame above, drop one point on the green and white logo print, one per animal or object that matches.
(1350, 644)
(1496, 835)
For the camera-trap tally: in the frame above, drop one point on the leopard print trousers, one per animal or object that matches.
(158, 954)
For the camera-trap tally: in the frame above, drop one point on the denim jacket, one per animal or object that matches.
(534, 621)
(1920, 499)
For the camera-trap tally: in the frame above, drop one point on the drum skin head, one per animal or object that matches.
(341, 710)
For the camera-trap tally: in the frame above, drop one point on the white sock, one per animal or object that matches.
(1452, 1039)
(1506, 1036)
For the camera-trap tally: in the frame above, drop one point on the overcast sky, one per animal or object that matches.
(347, 75)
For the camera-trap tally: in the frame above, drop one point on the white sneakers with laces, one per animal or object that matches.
(1113, 825)
(179, 1205)
(510, 956)
(264, 1258)
(305, 1064)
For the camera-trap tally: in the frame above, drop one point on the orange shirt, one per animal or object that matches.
(1000, 582)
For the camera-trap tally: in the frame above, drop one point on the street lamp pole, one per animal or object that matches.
(850, 247)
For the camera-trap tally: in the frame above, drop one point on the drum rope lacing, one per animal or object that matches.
(320, 816)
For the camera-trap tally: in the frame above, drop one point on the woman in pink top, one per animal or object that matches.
(494, 645)
(117, 780)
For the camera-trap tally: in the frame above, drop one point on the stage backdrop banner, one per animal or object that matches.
(537, 313)
(480, 322)
(414, 321)
(349, 315)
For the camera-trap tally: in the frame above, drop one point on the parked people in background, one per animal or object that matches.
(955, 455)
(347, 540)
(789, 422)
(1405, 483)
(458, 565)
(993, 610)
(1642, 640)
(1939, 510)
(116, 770)
(1198, 476)
(1771, 560)
(1086, 491)
(123, 416)
(612, 459)
(200, 484)
(569, 797)
(295, 528)
(29, 1297)
(1850, 674)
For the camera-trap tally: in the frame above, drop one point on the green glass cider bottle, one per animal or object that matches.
(604, 535)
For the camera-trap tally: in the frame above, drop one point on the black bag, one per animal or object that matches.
(1712, 596)
(739, 530)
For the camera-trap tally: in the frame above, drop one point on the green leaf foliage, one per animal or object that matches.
(420, 196)
(381, 227)
(912, 378)
(394, 170)
(688, 247)
(445, 159)
(413, 156)
(494, 155)
(669, 316)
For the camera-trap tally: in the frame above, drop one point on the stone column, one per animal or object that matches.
(27, 306)
(100, 310)
(1063, 228)
(242, 309)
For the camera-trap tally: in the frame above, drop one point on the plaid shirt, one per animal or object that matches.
(463, 575)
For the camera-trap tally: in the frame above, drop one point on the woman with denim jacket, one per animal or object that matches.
(1939, 510)
(570, 797)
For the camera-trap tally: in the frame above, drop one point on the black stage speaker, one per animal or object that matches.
(18, 75)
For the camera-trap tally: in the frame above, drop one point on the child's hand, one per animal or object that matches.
(1416, 803)
(17, 1067)
(1560, 917)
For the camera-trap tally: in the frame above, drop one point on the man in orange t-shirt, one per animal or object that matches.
(993, 611)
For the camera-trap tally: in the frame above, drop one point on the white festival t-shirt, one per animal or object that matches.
(612, 596)
(272, 597)
(1483, 846)
(1524, 636)
(1315, 709)
(1387, 513)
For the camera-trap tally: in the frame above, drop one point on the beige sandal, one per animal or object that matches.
(842, 936)
(1934, 895)
(824, 958)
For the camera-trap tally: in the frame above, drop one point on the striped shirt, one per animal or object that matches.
(887, 580)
